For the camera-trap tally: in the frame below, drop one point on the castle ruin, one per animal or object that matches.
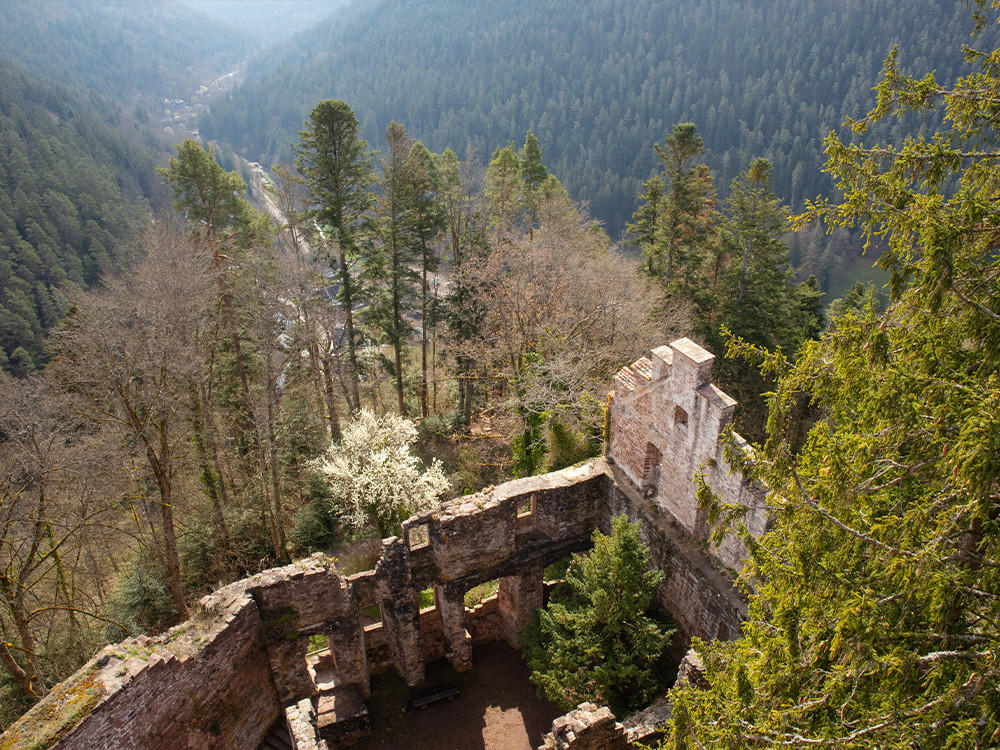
(223, 678)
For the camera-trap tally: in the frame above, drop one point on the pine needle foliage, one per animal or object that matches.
(599, 642)
(873, 622)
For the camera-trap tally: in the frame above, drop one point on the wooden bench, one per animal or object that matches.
(426, 697)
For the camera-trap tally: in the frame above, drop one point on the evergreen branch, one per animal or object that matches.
(988, 313)
(812, 503)
(935, 656)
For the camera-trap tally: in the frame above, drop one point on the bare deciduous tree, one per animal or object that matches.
(59, 484)
(129, 352)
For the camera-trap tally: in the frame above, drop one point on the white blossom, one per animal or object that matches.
(374, 478)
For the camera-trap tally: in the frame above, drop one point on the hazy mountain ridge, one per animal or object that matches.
(598, 83)
(129, 50)
(268, 21)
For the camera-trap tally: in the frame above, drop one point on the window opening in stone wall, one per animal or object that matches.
(680, 417)
(651, 466)
(318, 642)
(424, 599)
(371, 615)
(417, 536)
(554, 578)
(526, 506)
(321, 662)
(479, 594)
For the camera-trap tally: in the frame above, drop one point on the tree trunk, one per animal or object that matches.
(29, 677)
(434, 382)
(743, 273)
(397, 339)
(30, 681)
(346, 283)
(272, 444)
(210, 479)
(161, 469)
(423, 337)
(331, 398)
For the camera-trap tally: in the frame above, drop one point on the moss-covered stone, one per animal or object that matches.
(57, 713)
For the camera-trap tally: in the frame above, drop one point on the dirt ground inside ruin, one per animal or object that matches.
(497, 708)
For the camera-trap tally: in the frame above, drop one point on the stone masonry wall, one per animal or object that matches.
(201, 685)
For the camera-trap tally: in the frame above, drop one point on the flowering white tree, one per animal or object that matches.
(374, 478)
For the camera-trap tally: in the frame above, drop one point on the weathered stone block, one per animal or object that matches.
(587, 727)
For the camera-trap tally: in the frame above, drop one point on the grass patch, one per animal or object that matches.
(478, 594)
(318, 642)
(426, 598)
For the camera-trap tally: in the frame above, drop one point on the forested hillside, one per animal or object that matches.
(134, 49)
(600, 82)
(81, 86)
(71, 190)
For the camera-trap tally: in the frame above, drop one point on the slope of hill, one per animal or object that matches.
(71, 190)
(129, 50)
(598, 83)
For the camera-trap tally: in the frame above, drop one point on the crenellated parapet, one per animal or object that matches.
(666, 417)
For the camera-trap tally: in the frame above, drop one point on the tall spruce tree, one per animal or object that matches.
(599, 643)
(503, 194)
(674, 224)
(876, 595)
(753, 295)
(533, 175)
(429, 222)
(390, 263)
(337, 167)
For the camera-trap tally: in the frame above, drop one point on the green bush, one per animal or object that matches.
(13, 700)
(140, 603)
(598, 642)
(314, 529)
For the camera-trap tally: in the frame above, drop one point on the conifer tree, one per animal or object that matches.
(754, 296)
(875, 597)
(598, 643)
(429, 221)
(389, 264)
(674, 224)
(503, 194)
(533, 174)
(337, 167)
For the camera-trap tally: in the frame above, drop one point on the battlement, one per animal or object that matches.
(666, 417)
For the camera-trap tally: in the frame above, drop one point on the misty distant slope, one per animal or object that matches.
(128, 48)
(598, 82)
(268, 21)
(71, 192)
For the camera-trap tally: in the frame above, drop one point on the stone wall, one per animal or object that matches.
(205, 684)
(700, 597)
(224, 677)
